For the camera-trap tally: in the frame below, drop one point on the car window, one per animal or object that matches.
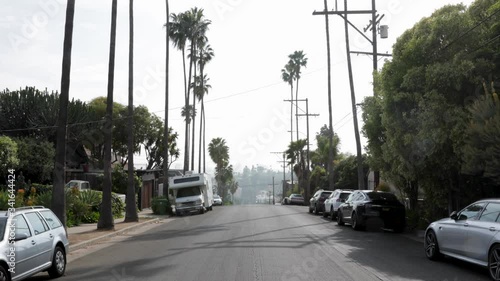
(351, 197)
(39, 225)
(325, 194)
(3, 223)
(22, 226)
(471, 212)
(382, 196)
(344, 195)
(490, 212)
(51, 219)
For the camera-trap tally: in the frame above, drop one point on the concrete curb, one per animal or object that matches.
(93, 241)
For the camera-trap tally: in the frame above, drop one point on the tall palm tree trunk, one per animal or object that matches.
(201, 134)
(58, 198)
(106, 217)
(187, 138)
(193, 138)
(297, 108)
(130, 208)
(165, 132)
(291, 127)
(204, 144)
(330, 112)
(361, 177)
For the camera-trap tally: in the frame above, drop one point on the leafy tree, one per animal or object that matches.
(481, 152)
(416, 124)
(320, 156)
(36, 167)
(346, 172)
(8, 155)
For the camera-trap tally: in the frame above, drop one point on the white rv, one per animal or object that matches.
(192, 193)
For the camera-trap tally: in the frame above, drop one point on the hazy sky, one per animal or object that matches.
(251, 40)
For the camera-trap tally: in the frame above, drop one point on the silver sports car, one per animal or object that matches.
(471, 235)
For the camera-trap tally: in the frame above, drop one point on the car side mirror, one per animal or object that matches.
(20, 236)
(453, 215)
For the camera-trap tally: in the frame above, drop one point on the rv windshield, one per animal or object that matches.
(188, 191)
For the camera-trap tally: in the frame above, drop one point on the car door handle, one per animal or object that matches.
(33, 242)
(492, 229)
(466, 224)
(51, 236)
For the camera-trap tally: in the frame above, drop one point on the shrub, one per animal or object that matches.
(4, 200)
(91, 217)
(91, 198)
(117, 206)
(155, 205)
(44, 199)
(383, 186)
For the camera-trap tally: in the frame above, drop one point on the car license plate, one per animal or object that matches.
(386, 209)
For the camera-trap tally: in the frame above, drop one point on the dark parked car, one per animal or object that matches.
(317, 202)
(471, 235)
(294, 199)
(364, 205)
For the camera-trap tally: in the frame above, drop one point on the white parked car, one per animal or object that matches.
(217, 200)
(471, 235)
(32, 240)
(333, 202)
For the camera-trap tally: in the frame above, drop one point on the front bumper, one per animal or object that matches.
(189, 209)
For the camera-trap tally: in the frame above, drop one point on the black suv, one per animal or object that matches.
(317, 202)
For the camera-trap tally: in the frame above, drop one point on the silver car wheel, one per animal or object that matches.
(494, 262)
(3, 274)
(60, 261)
(431, 245)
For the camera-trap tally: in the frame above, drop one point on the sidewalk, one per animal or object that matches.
(85, 235)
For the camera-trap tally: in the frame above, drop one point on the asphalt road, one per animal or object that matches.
(262, 242)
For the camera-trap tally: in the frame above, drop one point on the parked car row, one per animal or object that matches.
(471, 235)
(359, 207)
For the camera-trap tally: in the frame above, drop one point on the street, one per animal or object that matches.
(263, 242)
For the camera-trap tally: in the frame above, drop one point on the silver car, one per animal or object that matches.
(32, 240)
(333, 202)
(471, 235)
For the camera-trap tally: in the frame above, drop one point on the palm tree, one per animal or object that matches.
(295, 154)
(219, 153)
(130, 207)
(297, 61)
(233, 187)
(206, 55)
(287, 76)
(330, 114)
(200, 89)
(106, 216)
(58, 198)
(166, 132)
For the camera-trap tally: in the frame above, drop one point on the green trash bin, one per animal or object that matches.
(162, 206)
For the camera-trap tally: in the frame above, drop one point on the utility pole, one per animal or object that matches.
(284, 166)
(375, 20)
(273, 191)
(308, 188)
